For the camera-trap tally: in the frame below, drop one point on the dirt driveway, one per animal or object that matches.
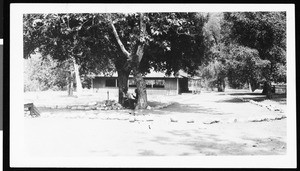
(205, 124)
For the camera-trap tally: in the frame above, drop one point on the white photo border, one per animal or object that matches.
(18, 157)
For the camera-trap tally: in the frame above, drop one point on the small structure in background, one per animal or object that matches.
(156, 83)
(279, 88)
(194, 85)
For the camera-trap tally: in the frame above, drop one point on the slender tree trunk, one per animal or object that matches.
(78, 80)
(220, 88)
(70, 85)
(221, 85)
(250, 87)
(122, 84)
(77, 77)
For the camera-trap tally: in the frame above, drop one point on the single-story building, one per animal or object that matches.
(279, 88)
(156, 83)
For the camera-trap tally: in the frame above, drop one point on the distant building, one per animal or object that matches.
(194, 84)
(279, 88)
(156, 83)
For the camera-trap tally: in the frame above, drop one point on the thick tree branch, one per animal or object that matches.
(140, 49)
(140, 52)
(127, 54)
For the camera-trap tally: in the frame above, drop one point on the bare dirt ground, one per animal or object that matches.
(205, 124)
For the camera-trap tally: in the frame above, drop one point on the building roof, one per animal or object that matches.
(152, 74)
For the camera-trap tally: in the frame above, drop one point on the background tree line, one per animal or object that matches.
(242, 48)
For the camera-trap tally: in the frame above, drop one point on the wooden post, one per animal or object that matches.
(107, 95)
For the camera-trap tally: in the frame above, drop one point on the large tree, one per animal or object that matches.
(266, 33)
(247, 47)
(133, 42)
(56, 35)
(214, 69)
(44, 74)
(163, 41)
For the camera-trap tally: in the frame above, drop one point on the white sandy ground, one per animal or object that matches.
(62, 133)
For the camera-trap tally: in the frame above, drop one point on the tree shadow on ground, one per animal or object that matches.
(211, 144)
(246, 93)
(233, 100)
(250, 96)
(237, 100)
(280, 98)
(155, 103)
(191, 108)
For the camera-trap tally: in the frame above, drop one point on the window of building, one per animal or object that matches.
(150, 83)
(110, 82)
(159, 84)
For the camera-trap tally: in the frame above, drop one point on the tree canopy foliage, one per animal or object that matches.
(244, 47)
(125, 42)
(263, 31)
(44, 74)
(250, 46)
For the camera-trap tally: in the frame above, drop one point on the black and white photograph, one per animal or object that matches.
(152, 85)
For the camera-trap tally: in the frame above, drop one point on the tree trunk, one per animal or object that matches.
(141, 88)
(135, 59)
(267, 90)
(220, 88)
(77, 77)
(70, 86)
(122, 84)
(139, 80)
(221, 85)
(250, 87)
